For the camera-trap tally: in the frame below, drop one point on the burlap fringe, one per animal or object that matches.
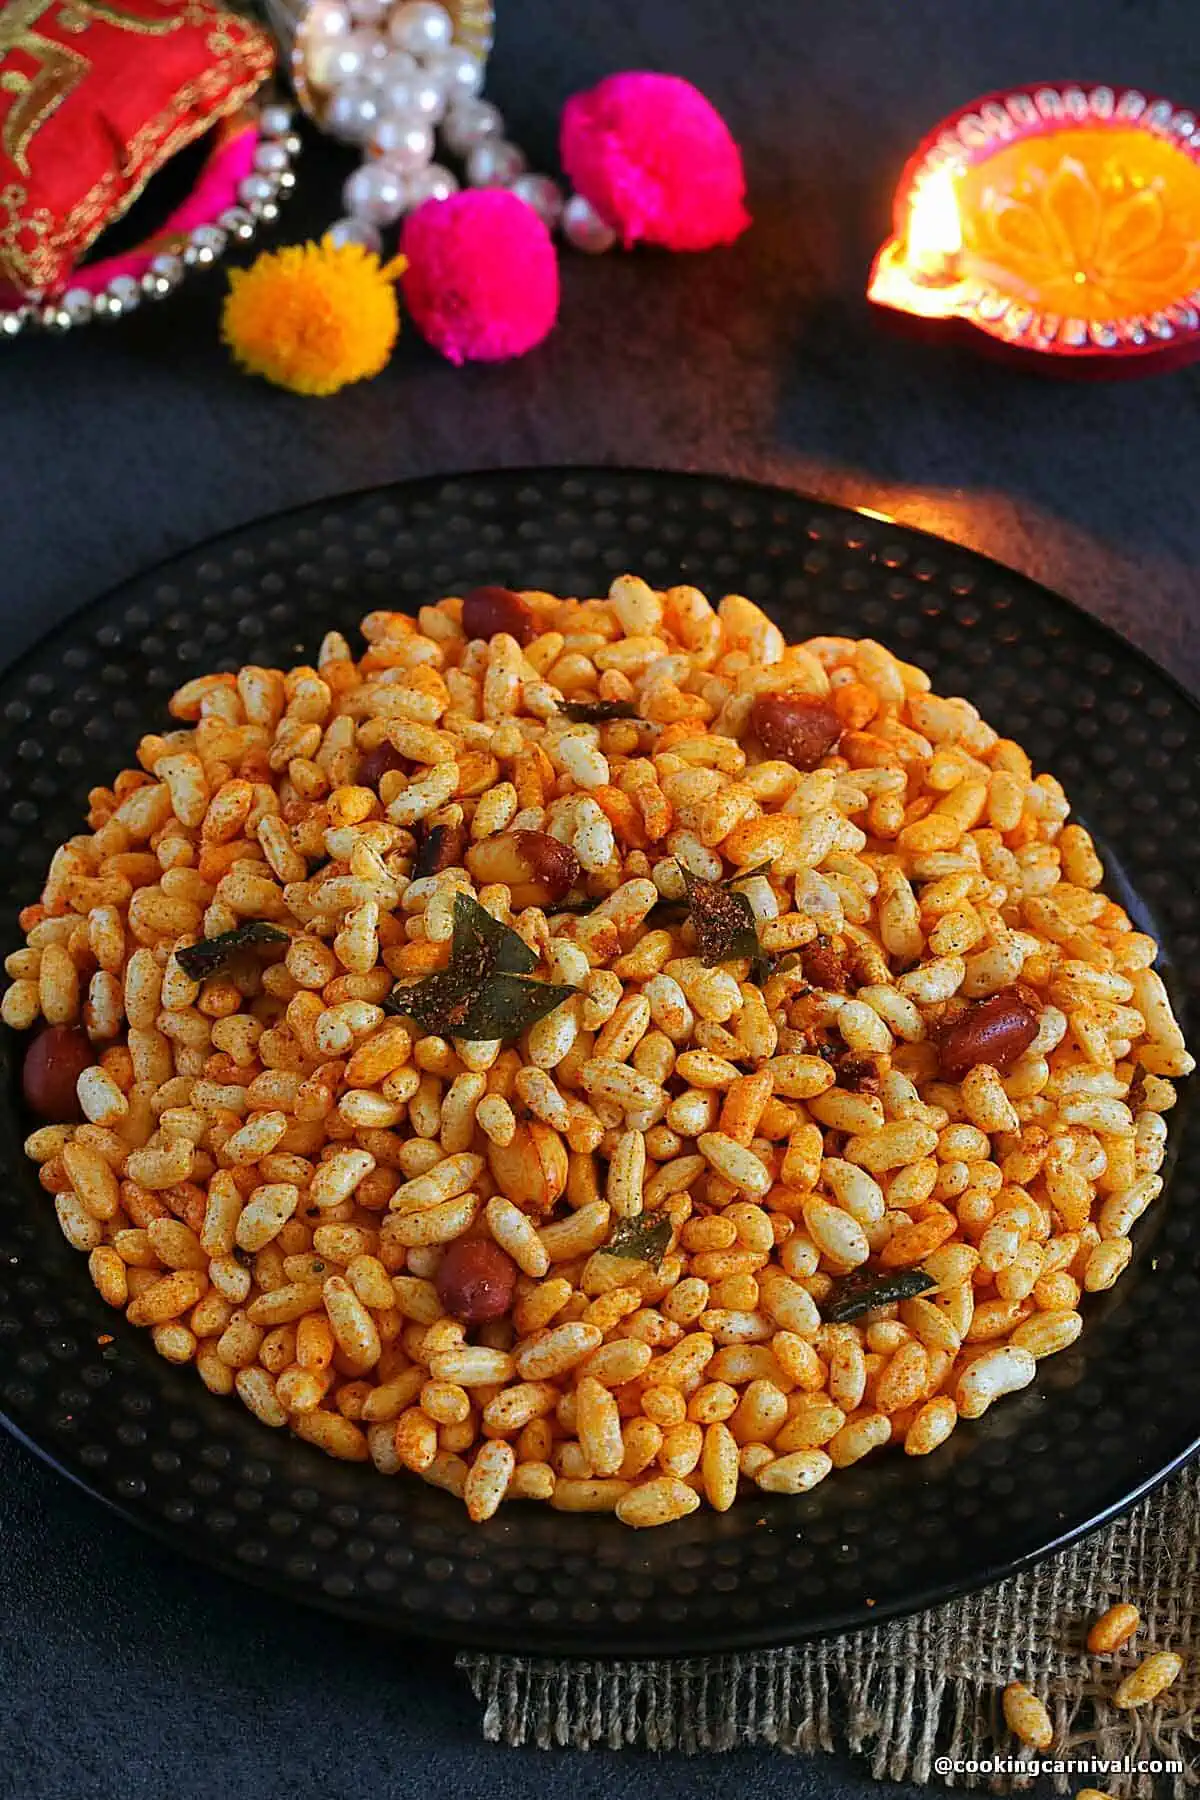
(806, 1699)
(908, 1694)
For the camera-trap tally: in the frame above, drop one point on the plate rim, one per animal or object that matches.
(465, 1638)
(476, 1635)
(533, 471)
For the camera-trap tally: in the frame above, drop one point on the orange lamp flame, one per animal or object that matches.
(934, 235)
(919, 271)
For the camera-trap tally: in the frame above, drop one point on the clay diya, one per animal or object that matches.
(1059, 226)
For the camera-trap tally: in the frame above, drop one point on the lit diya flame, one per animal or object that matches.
(934, 236)
(1064, 222)
(920, 269)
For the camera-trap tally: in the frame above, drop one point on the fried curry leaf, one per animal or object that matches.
(510, 1004)
(595, 712)
(867, 1288)
(493, 1006)
(481, 993)
(441, 1002)
(724, 924)
(211, 955)
(644, 1238)
(476, 933)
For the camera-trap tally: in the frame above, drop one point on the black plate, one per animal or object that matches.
(1104, 1421)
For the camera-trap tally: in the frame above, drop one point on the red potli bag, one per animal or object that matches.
(95, 96)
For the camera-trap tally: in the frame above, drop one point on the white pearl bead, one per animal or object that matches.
(395, 65)
(77, 303)
(275, 121)
(205, 244)
(389, 134)
(122, 295)
(325, 19)
(543, 194)
(370, 12)
(319, 64)
(431, 183)
(403, 142)
(356, 231)
(584, 229)
(257, 190)
(468, 123)
(416, 95)
(272, 159)
(421, 25)
(460, 71)
(494, 163)
(349, 59)
(351, 113)
(166, 270)
(374, 193)
(430, 98)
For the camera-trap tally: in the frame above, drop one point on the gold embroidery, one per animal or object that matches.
(59, 74)
(20, 17)
(60, 69)
(110, 14)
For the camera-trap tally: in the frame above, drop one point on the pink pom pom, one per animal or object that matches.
(656, 161)
(482, 277)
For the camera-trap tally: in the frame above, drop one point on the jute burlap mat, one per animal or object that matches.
(924, 1688)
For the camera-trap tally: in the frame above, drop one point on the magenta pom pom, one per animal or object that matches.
(482, 277)
(656, 161)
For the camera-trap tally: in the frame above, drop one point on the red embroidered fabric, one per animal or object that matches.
(95, 96)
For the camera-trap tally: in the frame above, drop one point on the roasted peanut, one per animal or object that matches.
(475, 1280)
(486, 611)
(996, 1031)
(535, 868)
(796, 728)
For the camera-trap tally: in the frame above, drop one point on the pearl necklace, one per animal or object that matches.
(394, 79)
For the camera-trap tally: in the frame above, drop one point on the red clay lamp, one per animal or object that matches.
(1057, 226)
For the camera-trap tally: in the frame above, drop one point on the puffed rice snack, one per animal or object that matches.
(593, 1051)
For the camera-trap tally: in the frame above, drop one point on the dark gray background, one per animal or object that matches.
(124, 1672)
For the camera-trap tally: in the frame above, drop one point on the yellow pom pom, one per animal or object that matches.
(313, 317)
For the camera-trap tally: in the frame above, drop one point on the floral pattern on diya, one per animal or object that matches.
(1100, 242)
